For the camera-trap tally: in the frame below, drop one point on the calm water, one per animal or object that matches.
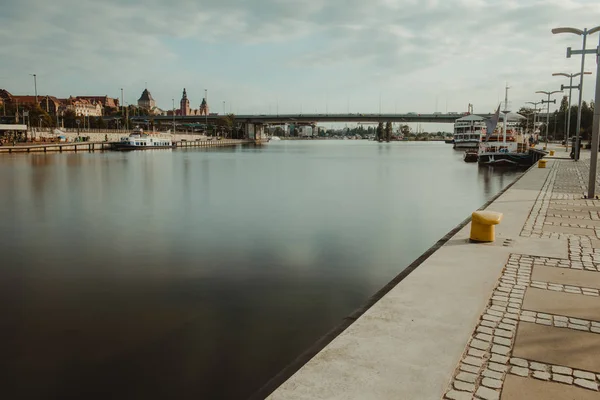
(201, 273)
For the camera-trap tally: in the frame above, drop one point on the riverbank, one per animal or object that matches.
(75, 145)
(499, 320)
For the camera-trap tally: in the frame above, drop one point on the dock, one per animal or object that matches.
(518, 318)
(105, 146)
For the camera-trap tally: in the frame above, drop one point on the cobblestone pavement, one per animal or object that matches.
(539, 336)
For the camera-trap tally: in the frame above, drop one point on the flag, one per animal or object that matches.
(491, 123)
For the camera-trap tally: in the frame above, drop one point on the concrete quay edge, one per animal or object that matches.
(406, 340)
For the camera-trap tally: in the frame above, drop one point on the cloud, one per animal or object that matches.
(251, 52)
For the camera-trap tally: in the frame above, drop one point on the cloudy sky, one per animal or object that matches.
(334, 55)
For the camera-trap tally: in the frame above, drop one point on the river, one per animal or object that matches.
(201, 273)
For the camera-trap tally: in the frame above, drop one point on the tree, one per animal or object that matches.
(69, 119)
(388, 131)
(405, 130)
(100, 124)
(587, 118)
(379, 134)
(563, 113)
(226, 122)
(526, 123)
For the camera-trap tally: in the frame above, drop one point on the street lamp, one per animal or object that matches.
(585, 32)
(548, 110)
(596, 123)
(78, 122)
(206, 112)
(570, 87)
(35, 86)
(40, 124)
(535, 110)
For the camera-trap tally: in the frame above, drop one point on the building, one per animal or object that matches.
(146, 101)
(184, 104)
(204, 107)
(50, 104)
(105, 101)
(22, 100)
(83, 107)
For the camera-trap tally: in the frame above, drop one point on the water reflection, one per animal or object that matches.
(204, 272)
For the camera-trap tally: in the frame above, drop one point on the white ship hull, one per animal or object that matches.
(141, 141)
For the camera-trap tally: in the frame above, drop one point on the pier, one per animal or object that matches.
(103, 146)
(516, 318)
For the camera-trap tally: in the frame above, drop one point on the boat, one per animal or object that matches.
(507, 147)
(449, 141)
(275, 138)
(471, 155)
(138, 140)
(468, 131)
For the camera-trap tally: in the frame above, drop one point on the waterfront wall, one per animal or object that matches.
(111, 135)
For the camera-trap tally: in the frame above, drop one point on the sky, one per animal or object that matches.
(268, 56)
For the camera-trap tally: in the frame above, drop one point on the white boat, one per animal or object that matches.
(275, 138)
(138, 140)
(508, 146)
(468, 131)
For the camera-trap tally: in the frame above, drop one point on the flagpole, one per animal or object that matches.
(505, 115)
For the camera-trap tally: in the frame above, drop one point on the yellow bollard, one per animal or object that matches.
(551, 152)
(542, 163)
(483, 225)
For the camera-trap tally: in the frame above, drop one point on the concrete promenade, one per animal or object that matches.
(515, 319)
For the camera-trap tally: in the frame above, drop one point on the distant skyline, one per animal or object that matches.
(321, 56)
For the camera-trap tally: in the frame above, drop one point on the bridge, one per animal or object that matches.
(274, 119)
(254, 124)
(311, 118)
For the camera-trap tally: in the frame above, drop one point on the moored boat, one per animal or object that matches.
(138, 140)
(471, 156)
(468, 131)
(507, 147)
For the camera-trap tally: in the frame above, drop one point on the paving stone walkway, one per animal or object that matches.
(539, 336)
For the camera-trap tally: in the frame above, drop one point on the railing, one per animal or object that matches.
(106, 130)
(210, 143)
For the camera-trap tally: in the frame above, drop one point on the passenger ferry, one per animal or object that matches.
(468, 131)
(138, 140)
(507, 146)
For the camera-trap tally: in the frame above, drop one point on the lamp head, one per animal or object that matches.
(567, 30)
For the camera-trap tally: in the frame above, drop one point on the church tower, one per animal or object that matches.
(184, 104)
(204, 107)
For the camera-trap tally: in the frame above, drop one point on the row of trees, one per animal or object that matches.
(384, 134)
(559, 118)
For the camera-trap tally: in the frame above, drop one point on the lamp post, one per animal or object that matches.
(78, 122)
(548, 110)
(584, 33)
(595, 130)
(35, 86)
(206, 111)
(570, 87)
(535, 110)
